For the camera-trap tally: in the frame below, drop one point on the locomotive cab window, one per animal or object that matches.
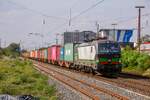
(108, 48)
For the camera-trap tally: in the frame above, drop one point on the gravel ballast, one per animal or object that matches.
(127, 93)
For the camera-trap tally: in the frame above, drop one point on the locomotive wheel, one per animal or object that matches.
(88, 70)
(71, 66)
(93, 71)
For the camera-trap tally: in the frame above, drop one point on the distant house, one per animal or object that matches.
(145, 47)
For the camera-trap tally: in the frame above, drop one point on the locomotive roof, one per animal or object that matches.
(95, 42)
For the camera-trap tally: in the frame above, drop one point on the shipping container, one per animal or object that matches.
(36, 54)
(55, 53)
(49, 54)
(41, 54)
(86, 36)
(78, 37)
(69, 52)
(61, 53)
(32, 54)
(45, 53)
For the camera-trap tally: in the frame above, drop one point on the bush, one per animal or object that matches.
(135, 60)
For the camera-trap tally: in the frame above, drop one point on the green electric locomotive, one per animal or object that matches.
(98, 56)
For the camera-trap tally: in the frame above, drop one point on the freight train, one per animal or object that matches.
(95, 57)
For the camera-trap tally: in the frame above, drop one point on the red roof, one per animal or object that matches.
(146, 43)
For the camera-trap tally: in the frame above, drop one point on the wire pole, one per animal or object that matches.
(0, 42)
(42, 34)
(139, 25)
(57, 38)
(70, 18)
(97, 29)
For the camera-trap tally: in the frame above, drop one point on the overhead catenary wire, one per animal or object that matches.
(132, 18)
(86, 10)
(120, 20)
(35, 11)
(73, 5)
(55, 17)
(82, 12)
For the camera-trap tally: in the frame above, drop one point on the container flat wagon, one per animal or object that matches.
(96, 56)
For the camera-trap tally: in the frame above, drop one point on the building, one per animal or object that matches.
(122, 36)
(119, 35)
(145, 47)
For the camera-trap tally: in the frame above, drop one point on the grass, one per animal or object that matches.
(137, 71)
(19, 78)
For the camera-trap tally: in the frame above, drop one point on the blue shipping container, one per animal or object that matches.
(61, 53)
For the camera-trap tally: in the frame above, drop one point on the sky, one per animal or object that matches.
(18, 18)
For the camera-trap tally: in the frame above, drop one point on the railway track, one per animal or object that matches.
(132, 75)
(138, 86)
(136, 83)
(91, 90)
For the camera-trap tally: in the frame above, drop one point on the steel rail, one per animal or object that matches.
(106, 91)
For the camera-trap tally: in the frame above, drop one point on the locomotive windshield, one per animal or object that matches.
(108, 48)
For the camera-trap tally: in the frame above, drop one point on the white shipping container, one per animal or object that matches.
(86, 52)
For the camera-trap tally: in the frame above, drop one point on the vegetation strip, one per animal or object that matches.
(17, 77)
(135, 62)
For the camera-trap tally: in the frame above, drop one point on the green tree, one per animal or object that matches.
(12, 50)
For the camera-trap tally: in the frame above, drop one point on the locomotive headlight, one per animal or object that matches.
(120, 60)
(97, 61)
(109, 60)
